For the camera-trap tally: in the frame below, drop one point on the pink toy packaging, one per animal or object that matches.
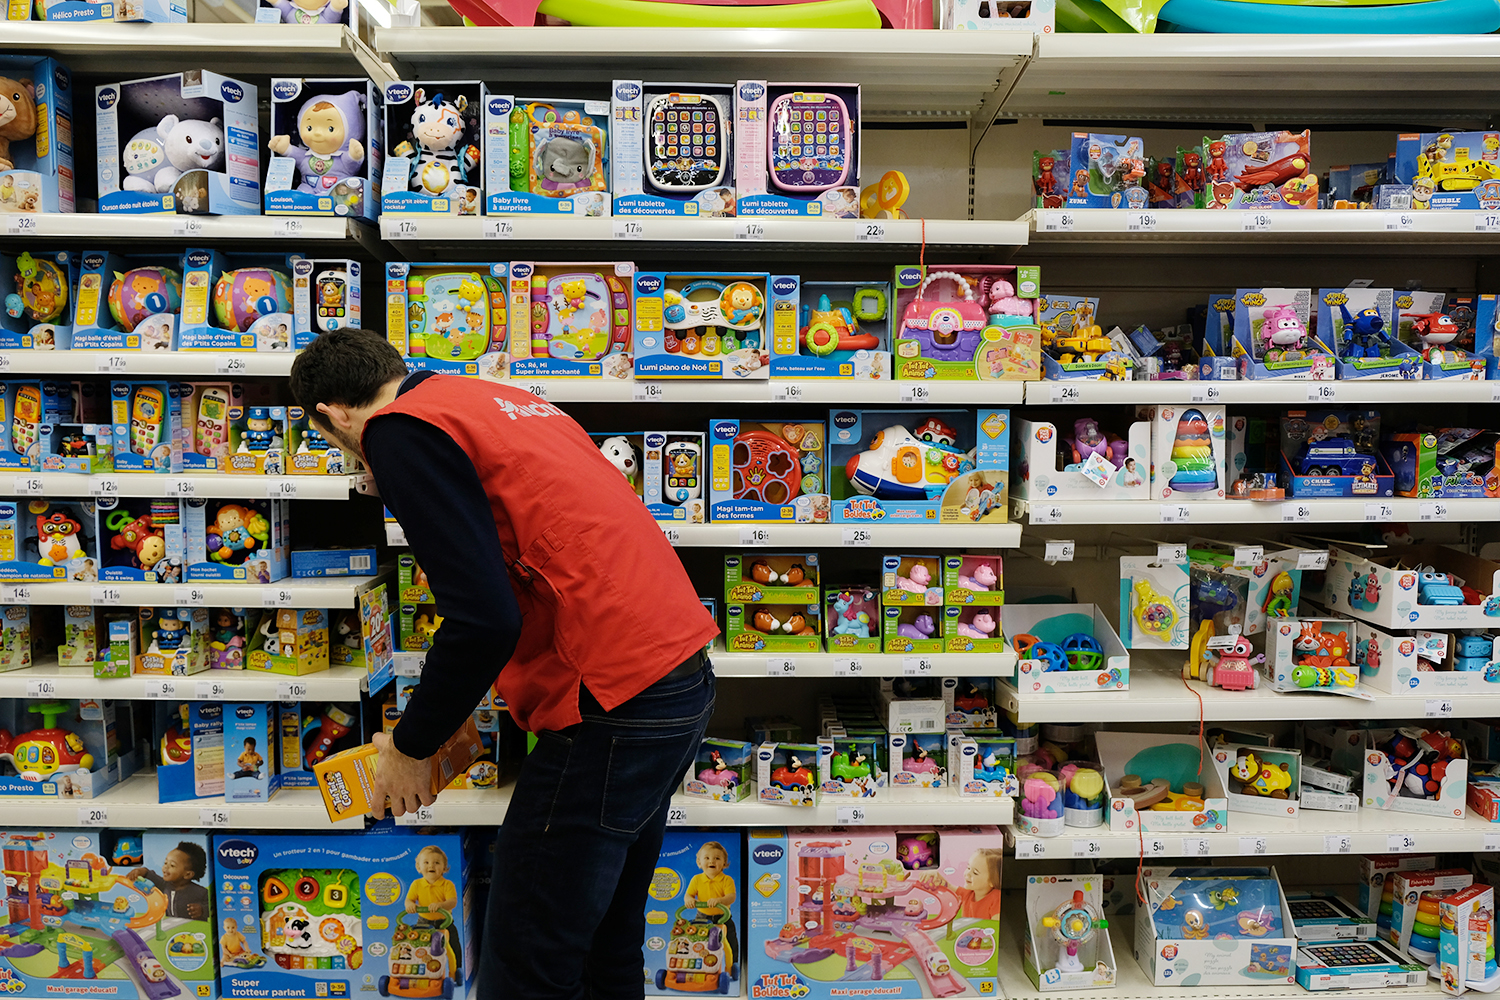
(967, 322)
(570, 320)
(972, 629)
(911, 580)
(887, 912)
(797, 149)
(973, 580)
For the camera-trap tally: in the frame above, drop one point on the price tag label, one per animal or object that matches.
(912, 392)
(788, 392)
(1176, 513)
(27, 486)
(1322, 392)
(1060, 551)
(1087, 849)
(847, 666)
(1487, 222)
(499, 229)
(421, 816)
(1061, 392)
(648, 392)
(1155, 847)
(105, 595)
(1252, 845)
(4, 361)
(1195, 847)
(281, 489)
(186, 225)
(781, 667)
(1140, 222)
(1046, 513)
(1249, 555)
(1257, 222)
(16, 595)
(915, 666)
(104, 486)
(275, 597)
(1437, 708)
(158, 688)
(677, 816)
(113, 364)
(1058, 222)
(402, 229)
(537, 389)
(217, 817)
(749, 231)
(410, 666)
(849, 815)
(1492, 842)
(869, 232)
(628, 229)
(755, 536)
(1296, 512)
(181, 488)
(1432, 511)
(232, 364)
(857, 536)
(93, 815)
(672, 533)
(291, 690)
(1030, 848)
(189, 597)
(1494, 388)
(1400, 843)
(1204, 392)
(1338, 843)
(1171, 552)
(1400, 222)
(1312, 560)
(210, 691)
(42, 687)
(1380, 512)
(20, 225)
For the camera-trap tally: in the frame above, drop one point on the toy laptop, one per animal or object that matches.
(40, 178)
(546, 156)
(187, 143)
(967, 322)
(448, 318)
(797, 149)
(692, 944)
(570, 320)
(42, 293)
(326, 143)
(1214, 927)
(321, 914)
(1450, 169)
(434, 135)
(711, 324)
(673, 150)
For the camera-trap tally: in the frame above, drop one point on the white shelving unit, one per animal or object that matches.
(131, 364)
(48, 680)
(200, 484)
(110, 230)
(920, 536)
(1291, 512)
(727, 664)
(814, 391)
(1277, 392)
(132, 804)
(1085, 229)
(334, 592)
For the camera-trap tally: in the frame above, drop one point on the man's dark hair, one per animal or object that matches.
(344, 366)
(197, 860)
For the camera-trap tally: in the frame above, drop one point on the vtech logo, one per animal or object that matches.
(767, 854)
(520, 270)
(726, 429)
(750, 90)
(198, 258)
(212, 710)
(627, 92)
(93, 261)
(303, 266)
(244, 711)
(647, 284)
(397, 93)
(500, 106)
(107, 97)
(845, 420)
(7, 510)
(655, 440)
(909, 275)
(237, 854)
(285, 90)
(784, 286)
(233, 92)
(60, 78)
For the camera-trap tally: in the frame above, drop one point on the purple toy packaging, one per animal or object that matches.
(327, 144)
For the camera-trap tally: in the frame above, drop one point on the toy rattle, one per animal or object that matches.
(1153, 612)
(737, 308)
(1073, 924)
(1083, 652)
(809, 147)
(1279, 599)
(41, 290)
(1049, 654)
(579, 316)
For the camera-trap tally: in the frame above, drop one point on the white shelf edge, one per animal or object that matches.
(1052, 225)
(333, 684)
(831, 232)
(132, 804)
(1001, 664)
(826, 392)
(331, 592)
(727, 534)
(205, 484)
(1288, 392)
(1320, 510)
(204, 363)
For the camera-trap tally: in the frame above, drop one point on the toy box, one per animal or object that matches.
(971, 629)
(972, 579)
(1108, 171)
(184, 143)
(1259, 171)
(325, 296)
(1355, 965)
(938, 470)
(376, 638)
(721, 771)
(914, 912)
(852, 765)
(251, 771)
(117, 659)
(346, 778)
(434, 137)
(1314, 655)
(309, 563)
(191, 737)
(786, 773)
(1333, 453)
(919, 760)
(1076, 650)
(308, 452)
(692, 945)
(230, 633)
(147, 419)
(1353, 186)
(1051, 172)
(970, 701)
(1260, 779)
(309, 732)
(236, 540)
(663, 468)
(911, 629)
(30, 406)
(1466, 946)
(843, 332)
(1380, 589)
(257, 440)
(41, 291)
(767, 471)
(327, 145)
(1414, 931)
(125, 303)
(1360, 324)
(774, 627)
(1325, 916)
(1154, 603)
(419, 618)
(136, 907)
(66, 749)
(1376, 873)
(415, 934)
(1407, 771)
(204, 427)
(38, 176)
(967, 322)
(1091, 464)
(290, 641)
(48, 540)
(570, 320)
(448, 318)
(83, 635)
(1443, 462)
(674, 153)
(712, 324)
(174, 641)
(1250, 941)
(1067, 945)
(908, 579)
(15, 638)
(546, 156)
(1144, 769)
(1036, 16)
(797, 149)
(244, 302)
(1423, 321)
(852, 620)
(1450, 169)
(1272, 338)
(139, 539)
(986, 766)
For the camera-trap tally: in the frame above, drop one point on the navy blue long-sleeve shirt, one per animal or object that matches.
(428, 482)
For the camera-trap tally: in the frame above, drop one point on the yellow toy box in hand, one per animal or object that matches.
(346, 779)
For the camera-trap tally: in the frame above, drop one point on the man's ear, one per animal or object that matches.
(332, 415)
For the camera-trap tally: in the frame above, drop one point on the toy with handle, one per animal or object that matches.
(422, 961)
(1073, 924)
(944, 328)
(700, 955)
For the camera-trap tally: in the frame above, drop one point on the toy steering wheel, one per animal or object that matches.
(437, 920)
(766, 468)
(697, 911)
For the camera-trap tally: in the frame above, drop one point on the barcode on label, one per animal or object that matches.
(359, 564)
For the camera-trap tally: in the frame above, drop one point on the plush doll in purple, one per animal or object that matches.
(311, 11)
(330, 128)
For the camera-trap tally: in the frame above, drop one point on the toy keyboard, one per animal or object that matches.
(689, 145)
(810, 140)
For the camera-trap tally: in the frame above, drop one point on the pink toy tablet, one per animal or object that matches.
(809, 143)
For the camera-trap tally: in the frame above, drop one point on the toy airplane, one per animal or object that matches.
(900, 465)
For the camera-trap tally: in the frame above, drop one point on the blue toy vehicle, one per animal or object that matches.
(1335, 456)
(1436, 588)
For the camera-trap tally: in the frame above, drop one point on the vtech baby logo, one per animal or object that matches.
(93, 261)
(627, 91)
(784, 286)
(244, 711)
(520, 270)
(647, 284)
(106, 98)
(909, 276)
(500, 106)
(726, 429)
(232, 92)
(844, 420)
(655, 440)
(285, 90)
(767, 854)
(237, 854)
(198, 258)
(397, 93)
(750, 90)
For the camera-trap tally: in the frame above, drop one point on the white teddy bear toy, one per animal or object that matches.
(156, 157)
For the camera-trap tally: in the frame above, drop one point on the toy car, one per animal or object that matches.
(1335, 456)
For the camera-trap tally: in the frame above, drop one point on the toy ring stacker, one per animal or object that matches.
(766, 467)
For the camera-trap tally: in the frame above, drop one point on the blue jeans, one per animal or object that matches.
(579, 844)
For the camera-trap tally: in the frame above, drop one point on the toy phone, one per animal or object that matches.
(26, 421)
(146, 419)
(684, 461)
(567, 152)
(211, 434)
(333, 299)
(810, 142)
(688, 149)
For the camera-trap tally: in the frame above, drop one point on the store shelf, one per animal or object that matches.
(1158, 693)
(1229, 79)
(1290, 511)
(781, 391)
(132, 363)
(260, 231)
(200, 484)
(763, 664)
(340, 592)
(902, 73)
(1086, 229)
(48, 680)
(922, 536)
(132, 804)
(1279, 392)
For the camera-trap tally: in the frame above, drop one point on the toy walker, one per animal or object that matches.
(700, 954)
(422, 958)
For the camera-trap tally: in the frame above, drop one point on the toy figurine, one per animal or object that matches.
(919, 580)
(795, 624)
(40, 754)
(792, 775)
(1045, 182)
(1282, 335)
(1364, 334)
(1218, 170)
(157, 157)
(922, 627)
(1436, 331)
(311, 11)
(848, 621)
(1260, 778)
(168, 635)
(719, 774)
(330, 129)
(17, 115)
(982, 627)
(849, 766)
(442, 162)
(1192, 171)
(795, 575)
(57, 539)
(983, 579)
(1432, 588)
(621, 454)
(260, 435)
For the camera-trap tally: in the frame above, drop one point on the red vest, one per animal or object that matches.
(604, 599)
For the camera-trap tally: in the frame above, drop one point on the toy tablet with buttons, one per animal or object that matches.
(673, 149)
(966, 323)
(797, 150)
(570, 320)
(712, 325)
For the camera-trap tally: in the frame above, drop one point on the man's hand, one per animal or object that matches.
(406, 780)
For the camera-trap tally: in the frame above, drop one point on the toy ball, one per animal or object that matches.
(245, 295)
(914, 852)
(1083, 651)
(43, 289)
(142, 292)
